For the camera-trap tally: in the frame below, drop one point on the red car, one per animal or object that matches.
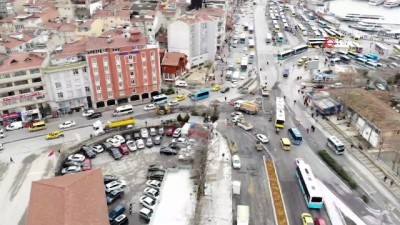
(170, 131)
(87, 164)
(124, 149)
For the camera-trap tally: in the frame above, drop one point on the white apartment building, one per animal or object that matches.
(194, 35)
(67, 79)
(220, 17)
(22, 90)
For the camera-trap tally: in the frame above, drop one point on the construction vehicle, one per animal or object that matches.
(101, 128)
(264, 90)
(246, 106)
(163, 110)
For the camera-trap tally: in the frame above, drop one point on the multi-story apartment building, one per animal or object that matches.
(194, 35)
(113, 18)
(122, 69)
(67, 79)
(22, 90)
(220, 16)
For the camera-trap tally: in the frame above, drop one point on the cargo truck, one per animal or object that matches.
(100, 128)
(246, 106)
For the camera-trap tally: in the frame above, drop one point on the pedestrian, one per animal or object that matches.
(11, 160)
(91, 136)
(352, 146)
(391, 182)
(225, 98)
(312, 115)
(385, 178)
(308, 130)
(312, 128)
(59, 151)
(145, 123)
(298, 91)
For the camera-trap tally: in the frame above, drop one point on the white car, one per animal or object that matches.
(146, 213)
(114, 142)
(87, 113)
(234, 84)
(236, 162)
(76, 158)
(115, 185)
(71, 169)
(237, 114)
(140, 144)
(67, 124)
(152, 192)
(242, 76)
(131, 145)
(97, 148)
(154, 184)
(380, 86)
(148, 202)
(173, 103)
(149, 107)
(263, 138)
(299, 160)
(119, 138)
(144, 133)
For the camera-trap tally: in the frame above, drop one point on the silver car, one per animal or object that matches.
(149, 143)
(140, 144)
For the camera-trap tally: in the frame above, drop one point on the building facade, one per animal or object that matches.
(22, 90)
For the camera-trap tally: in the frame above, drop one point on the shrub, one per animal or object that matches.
(338, 169)
(186, 118)
(179, 118)
(365, 198)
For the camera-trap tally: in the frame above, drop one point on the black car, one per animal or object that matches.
(88, 152)
(168, 151)
(155, 175)
(225, 89)
(72, 163)
(94, 115)
(153, 168)
(115, 153)
(319, 86)
(107, 146)
(175, 146)
(114, 195)
(136, 136)
(128, 137)
(109, 178)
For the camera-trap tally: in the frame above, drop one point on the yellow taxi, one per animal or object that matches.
(216, 87)
(54, 135)
(180, 97)
(238, 61)
(285, 144)
(307, 219)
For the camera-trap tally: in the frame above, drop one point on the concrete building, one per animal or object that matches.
(173, 65)
(22, 90)
(195, 36)
(122, 69)
(89, 28)
(67, 79)
(113, 18)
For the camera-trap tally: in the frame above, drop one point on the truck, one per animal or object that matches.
(264, 90)
(244, 125)
(243, 215)
(246, 106)
(162, 110)
(100, 128)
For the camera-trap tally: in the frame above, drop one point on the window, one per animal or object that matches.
(120, 84)
(98, 87)
(87, 89)
(153, 62)
(133, 90)
(132, 82)
(5, 76)
(154, 72)
(117, 58)
(145, 80)
(109, 85)
(106, 69)
(130, 57)
(107, 77)
(131, 66)
(121, 93)
(120, 75)
(143, 57)
(79, 92)
(152, 53)
(97, 78)
(105, 60)
(58, 85)
(33, 71)
(119, 67)
(19, 73)
(77, 82)
(99, 97)
(95, 70)
(70, 94)
(132, 73)
(84, 69)
(110, 95)
(75, 72)
(145, 71)
(36, 80)
(68, 83)
(94, 62)
(60, 95)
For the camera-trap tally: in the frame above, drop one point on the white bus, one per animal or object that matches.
(280, 113)
(335, 145)
(159, 99)
(123, 110)
(309, 187)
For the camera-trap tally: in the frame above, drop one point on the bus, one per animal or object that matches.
(321, 24)
(361, 61)
(292, 11)
(357, 47)
(251, 29)
(159, 99)
(41, 125)
(268, 38)
(371, 64)
(279, 37)
(285, 54)
(345, 59)
(300, 49)
(251, 44)
(301, 27)
(353, 55)
(308, 186)
(357, 38)
(280, 113)
(323, 33)
(243, 64)
(371, 57)
(199, 95)
(330, 33)
(316, 44)
(396, 48)
(338, 34)
(335, 145)
(277, 28)
(242, 38)
(295, 134)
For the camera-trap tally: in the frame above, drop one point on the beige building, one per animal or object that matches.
(113, 18)
(89, 28)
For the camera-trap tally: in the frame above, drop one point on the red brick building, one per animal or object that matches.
(122, 69)
(173, 65)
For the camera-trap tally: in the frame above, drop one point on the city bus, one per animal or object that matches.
(345, 59)
(280, 113)
(301, 27)
(309, 186)
(321, 24)
(279, 37)
(300, 49)
(316, 44)
(285, 54)
(335, 145)
(41, 125)
(292, 11)
(357, 38)
(323, 33)
(361, 61)
(277, 29)
(371, 64)
(371, 57)
(338, 34)
(199, 95)
(353, 55)
(251, 44)
(357, 47)
(396, 48)
(159, 99)
(242, 38)
(243, 64)
(295, 135)
(330, 33)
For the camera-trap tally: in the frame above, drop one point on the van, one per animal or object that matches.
(123, 110)
(41, 125)
(334, 61)
(15, 126)
(114, 213)
(181, 83)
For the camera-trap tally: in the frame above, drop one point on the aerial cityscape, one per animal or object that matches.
(199, 112)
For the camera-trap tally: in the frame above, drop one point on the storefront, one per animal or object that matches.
(10, 117)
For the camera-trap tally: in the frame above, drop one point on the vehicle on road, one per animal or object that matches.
(307, 219)
(263, 138)
(115, 185)
(123, 110)
(225, 89)
(14, 126)
(295, 135)
(298, 161)
(244, 125)
(131, 145)
(71, 169)
(113, 195)
(309, 186)
(101, 128)
(173, 103)
(246, 107)
(335, 145)
(76, 158)
(234, 84)
(243, 214)
(199, 95)
(114, 142)
(181, 83)
(67, 124)
(54, 135)
(41, 125)
(285, 144)
(87, 113)
(163, 110)
(159, 99)
(180, 97)
(149, 107)
(94, 115)
(236, 162)
(216, 87)
(259, 146)
(319, 221)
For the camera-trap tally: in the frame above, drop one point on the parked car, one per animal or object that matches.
(71, 169)
(121, 219)
(177, 133)
(119, 138)
(114, 195)
(76, 157)
(87, 113)
(168, 151)
(153, 131)
(94, 115)
(161, 131)
(156, 175)
(148, 202)
(170, 131)
(114, 142)
(73, 163)
(146, 214)
(380, 86)
(131, 145)
(140, 144)
(153, 168)
(154, 184)
(124, 149)
(152, 192)
(116, 154)
(109, 178)
(128, 137)
(236, 162)
(115, 184)
(263, 138)
(88, 152)
(175, 146)
(157, 140)
(107, 146)
(97, 148)
(149, 143)
(136, 136)
(67, 124)
(87, 164)
(115, 212)
(144, 133)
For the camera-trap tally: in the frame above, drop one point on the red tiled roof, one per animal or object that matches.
(8, 19)
(117, 42)
(172, 58)
(20, 61)
(75, 199)
(72, 49)
(111, 13)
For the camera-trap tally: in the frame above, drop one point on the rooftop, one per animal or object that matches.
(111, 13)
(19, 61)
(369, 105)
(143, 6)
(172, 58)
(75, 199)
(216, 12)
(191, 19)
